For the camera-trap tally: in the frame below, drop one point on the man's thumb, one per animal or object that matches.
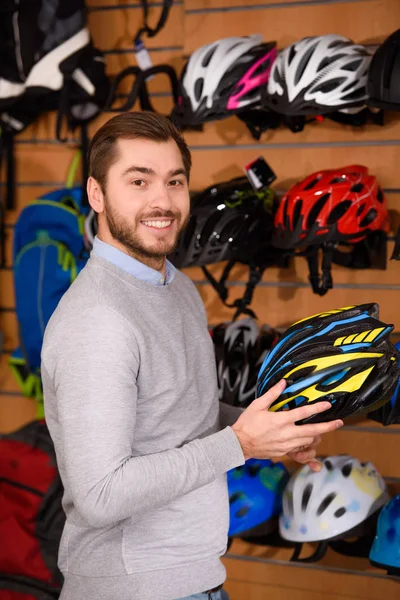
(265, 401)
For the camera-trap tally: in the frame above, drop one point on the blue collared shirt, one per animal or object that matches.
(131, 265)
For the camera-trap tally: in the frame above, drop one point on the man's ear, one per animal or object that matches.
(95, 195)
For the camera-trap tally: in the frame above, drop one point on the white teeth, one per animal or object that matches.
(158, 224)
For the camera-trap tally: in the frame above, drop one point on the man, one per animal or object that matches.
(130, 390)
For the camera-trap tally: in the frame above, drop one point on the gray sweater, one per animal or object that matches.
(130, 399)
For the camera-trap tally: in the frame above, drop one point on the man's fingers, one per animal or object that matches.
(315, 466)
(303, 412)
(265, 401)
(316, 429)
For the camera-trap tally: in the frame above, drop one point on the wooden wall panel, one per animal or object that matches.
(204, 5)
(368, 22)
(212, 165)
(115, 29)
(251, 580)
(219, 152)
(285, 305)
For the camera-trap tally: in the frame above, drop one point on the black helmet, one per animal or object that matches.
(232, 222)
(240, 348)
(383, 83)
(343, 356)
(229, 221)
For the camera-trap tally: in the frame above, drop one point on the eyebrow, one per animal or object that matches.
(147, 171)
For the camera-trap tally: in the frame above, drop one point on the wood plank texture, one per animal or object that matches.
(373, 23)
(256, 580)
(220, 152)
(115, 29)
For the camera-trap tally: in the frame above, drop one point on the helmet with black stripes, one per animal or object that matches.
(318, 75)
(327, 208)
(342, 356)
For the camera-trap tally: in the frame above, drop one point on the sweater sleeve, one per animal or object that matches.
(94, 386)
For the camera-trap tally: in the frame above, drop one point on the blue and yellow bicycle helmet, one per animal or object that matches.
(255, 497)
(343, 356)
(389, 413)
(385, 551)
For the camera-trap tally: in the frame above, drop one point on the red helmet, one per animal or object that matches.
(335, 205)
(328, 207)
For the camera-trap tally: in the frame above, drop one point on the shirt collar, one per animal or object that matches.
(132, 265)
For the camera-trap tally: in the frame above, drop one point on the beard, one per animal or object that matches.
(132, 241)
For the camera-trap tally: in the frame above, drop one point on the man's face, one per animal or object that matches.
(147, 197)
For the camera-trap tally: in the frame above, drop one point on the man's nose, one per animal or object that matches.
(161, 198)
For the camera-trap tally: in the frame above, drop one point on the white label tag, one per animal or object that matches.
(143, 57)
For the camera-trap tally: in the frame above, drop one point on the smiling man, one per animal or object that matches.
(130, 391)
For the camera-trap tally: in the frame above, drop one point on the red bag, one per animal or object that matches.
(31, 515)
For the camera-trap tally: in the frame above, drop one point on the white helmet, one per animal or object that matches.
(224, 78)
(330, 503)
(318, 75)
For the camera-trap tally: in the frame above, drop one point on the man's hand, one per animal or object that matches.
(264, 434)
(307, 454)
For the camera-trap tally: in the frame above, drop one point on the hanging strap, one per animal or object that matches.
(320, 284)
(396, 249)
(151, 32)
(219, 286)
(317, 555)
(69, 183)
(6, 154)
(133, 93)
(84, 164)
(259, 121)
(241, 304)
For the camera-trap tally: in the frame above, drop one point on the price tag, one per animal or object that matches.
(143, 57)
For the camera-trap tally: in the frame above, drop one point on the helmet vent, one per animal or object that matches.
(347, 469)
(360, 209)
(328, 60)
(340, 512)
(357, 187)
(253, 470)
(292, 53)
(337, 180)
(379, 195)
(235, 497)
(290, 507)
(198, 89)
(303, 64)
(353, 65)
(242, 512)
(328, 465)
(328, 86)
(312, 183)
(306, 496)
(206, 60)
(369, 217)
(357, 95)
(339, 211)
(338, 44)
(297, 212)
(316, 209)
(325, 503)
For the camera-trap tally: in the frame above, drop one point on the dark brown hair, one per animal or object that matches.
(148, 125)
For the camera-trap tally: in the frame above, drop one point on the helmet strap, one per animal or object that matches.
(241, 304)
(320, 284)
(317, 555)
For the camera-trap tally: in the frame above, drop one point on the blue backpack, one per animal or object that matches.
(49, 252)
